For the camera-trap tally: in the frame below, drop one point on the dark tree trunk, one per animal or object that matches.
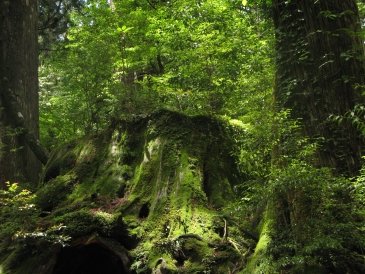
(320, 70)
(18, 82)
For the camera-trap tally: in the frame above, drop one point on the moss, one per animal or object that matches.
(61, 161)
(28, 257)
(18, 254)
(163, 262)
(55, 191)
(84, 222)
(158, 183)
(260, 261)
(196, 249)
(170, 178)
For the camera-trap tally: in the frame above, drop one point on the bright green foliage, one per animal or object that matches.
(211, 51)
(17, 210)
(206, 57)
(169, 181)
(359, 192)
(311, 220)
(316, 219)
(77, 84)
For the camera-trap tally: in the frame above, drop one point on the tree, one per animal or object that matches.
(54, 20)
(19, 94)
(320, 74)
(310, 219)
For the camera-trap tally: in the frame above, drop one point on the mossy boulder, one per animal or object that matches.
(156, 186)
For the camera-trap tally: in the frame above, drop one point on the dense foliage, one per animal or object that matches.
(195, 57)
(207, 57)
(109, 60)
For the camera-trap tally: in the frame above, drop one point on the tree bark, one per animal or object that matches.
(320, 71)
(19, 80)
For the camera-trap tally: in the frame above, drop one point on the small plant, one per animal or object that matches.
(18, 213)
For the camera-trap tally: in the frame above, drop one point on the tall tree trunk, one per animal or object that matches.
(320, 70)
(320, 73)
(18, 82)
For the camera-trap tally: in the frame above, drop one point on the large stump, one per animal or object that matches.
(149, 195)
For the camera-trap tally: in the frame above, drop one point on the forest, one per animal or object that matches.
(182, 136)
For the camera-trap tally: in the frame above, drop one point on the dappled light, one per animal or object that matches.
(190, 136)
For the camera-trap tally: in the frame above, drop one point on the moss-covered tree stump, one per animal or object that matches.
(149, 195)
